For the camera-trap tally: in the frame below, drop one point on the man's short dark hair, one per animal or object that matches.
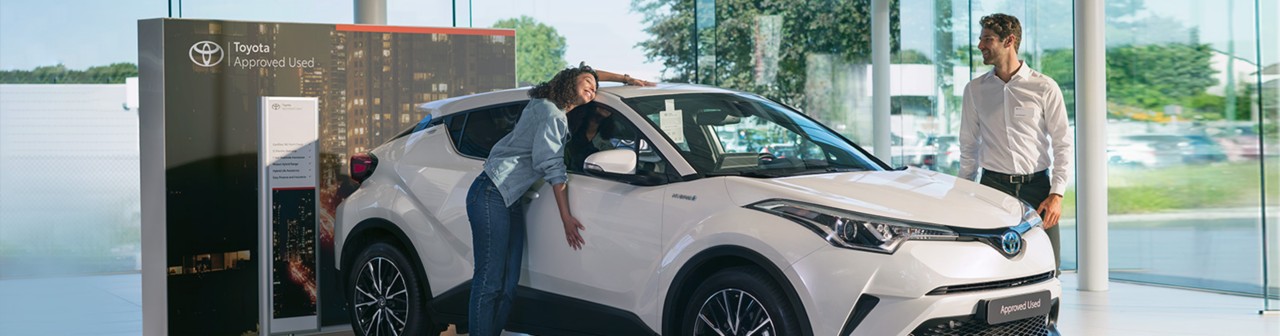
(1003, 25)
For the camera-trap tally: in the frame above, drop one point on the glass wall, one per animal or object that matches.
(69, 197)
(1184, 148)
(1268, 105)
(555, 34)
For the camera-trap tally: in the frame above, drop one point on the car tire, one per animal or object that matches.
(384, 294)
(739, 301)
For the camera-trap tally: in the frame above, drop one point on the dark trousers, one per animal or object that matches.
(1033, 191)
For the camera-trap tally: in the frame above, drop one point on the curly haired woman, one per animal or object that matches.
(533, 150)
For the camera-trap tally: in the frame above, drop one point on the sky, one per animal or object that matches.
(83, 33)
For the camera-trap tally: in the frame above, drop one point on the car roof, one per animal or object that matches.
(445, 107)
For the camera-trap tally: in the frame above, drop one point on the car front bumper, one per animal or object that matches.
(925, 284)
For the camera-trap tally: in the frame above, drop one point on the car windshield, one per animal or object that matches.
(740, 134)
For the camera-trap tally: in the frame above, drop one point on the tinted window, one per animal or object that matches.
(475, 133)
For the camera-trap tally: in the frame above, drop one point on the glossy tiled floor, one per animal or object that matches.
(1133, 309)
(112, 305)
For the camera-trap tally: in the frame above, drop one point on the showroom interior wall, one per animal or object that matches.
(1192, 93)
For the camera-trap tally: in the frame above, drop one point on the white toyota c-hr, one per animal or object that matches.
(693, 228)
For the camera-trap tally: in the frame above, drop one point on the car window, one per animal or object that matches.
(740, 134)
(474, 133)
(598, 127)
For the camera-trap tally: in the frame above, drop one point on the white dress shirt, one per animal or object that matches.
(1011, 127)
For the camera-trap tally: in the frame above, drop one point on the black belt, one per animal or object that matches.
(1015, 178)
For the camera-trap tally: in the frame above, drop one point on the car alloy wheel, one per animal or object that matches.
(739, 301)
(733, 311)
(384, 294)
(381, 298)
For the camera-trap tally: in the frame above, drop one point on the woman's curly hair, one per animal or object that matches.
(560, 89)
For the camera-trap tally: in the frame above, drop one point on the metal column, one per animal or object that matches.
(371, 12)
(880, 79)
(1091, 143)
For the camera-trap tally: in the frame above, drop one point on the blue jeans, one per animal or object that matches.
(497, 236)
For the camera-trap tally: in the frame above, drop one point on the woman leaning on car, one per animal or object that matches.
(533, 150)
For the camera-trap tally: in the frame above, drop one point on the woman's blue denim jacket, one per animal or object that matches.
(533, 150)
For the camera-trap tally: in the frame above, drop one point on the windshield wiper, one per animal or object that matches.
(832, 169)
(745, 173)
(829, 168)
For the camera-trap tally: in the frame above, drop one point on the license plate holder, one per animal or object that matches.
(1016, 307)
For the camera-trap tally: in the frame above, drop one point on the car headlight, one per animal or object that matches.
(1030, 217)
(853, 230)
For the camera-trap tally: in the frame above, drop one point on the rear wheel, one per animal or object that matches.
(385, 295)
(739, 301)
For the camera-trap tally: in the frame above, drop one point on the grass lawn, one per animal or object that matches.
(1147, 190)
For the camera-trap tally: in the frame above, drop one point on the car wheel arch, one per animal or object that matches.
(373, 230)
(712, 260)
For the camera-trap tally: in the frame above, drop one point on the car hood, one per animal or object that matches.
(913, 194)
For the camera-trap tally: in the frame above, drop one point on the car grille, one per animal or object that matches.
(972, 326)
(993, 284)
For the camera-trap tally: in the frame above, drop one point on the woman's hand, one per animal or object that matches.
(571, 228)
(606, 76)
(628, 80)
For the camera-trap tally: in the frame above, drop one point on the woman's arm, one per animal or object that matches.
(548, 158)
(606, 76)
(571, 224)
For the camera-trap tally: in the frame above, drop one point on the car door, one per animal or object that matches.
(623, 222)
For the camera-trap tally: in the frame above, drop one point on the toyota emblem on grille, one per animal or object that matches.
(1011, 242)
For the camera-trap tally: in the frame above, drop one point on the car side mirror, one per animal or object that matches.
(613, 162)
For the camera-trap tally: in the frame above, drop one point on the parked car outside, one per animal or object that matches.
(913, 153)
(685, 237)
(1200, 149)
(1145, 151)
(947, 151)
(1239, 142)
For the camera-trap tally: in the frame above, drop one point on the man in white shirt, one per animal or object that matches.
(1014, 126)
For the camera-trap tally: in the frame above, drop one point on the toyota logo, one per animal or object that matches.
(1011, 243)
(205, 53)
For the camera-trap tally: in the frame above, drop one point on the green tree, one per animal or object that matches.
(539, 49)
(1146, 76)
(841, 29)
(1152, 76)
(59, 74)
(1059, 64)
(910, 56)
(1246, 100)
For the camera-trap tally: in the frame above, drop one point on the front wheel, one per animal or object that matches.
(739, 301)
(384, 294)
